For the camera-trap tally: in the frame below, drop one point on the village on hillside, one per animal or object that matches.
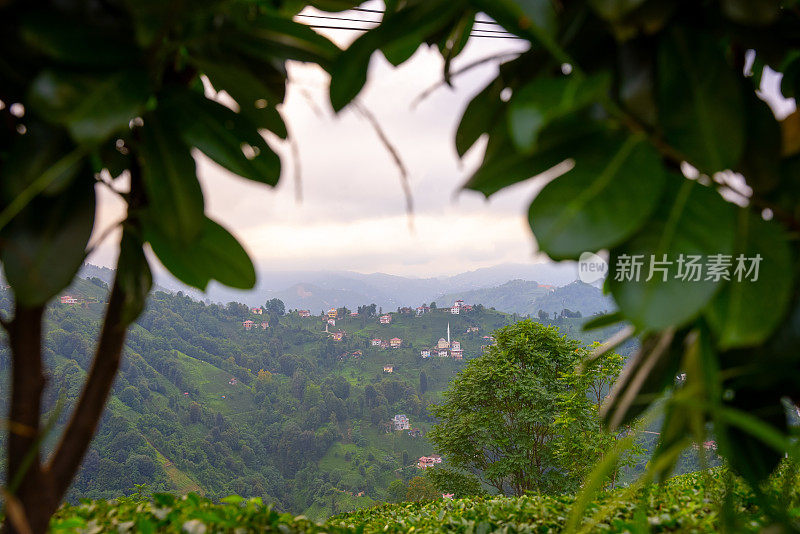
(445, 347)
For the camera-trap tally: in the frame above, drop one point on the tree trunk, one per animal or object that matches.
(25, 479)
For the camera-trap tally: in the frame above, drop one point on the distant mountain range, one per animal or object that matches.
(514, 288)
(525, 297)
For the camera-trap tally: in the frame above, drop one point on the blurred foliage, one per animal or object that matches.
(628, 93)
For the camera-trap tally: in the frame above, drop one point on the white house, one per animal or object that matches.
(400, 422)
(375, 342)
(425, 353)
(386, 319)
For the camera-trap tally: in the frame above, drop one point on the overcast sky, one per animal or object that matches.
(353, 214)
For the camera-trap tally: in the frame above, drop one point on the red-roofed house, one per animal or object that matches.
(395, 342)
(304, 313)
(428, 461)
(68, 299)
(375, 342)
(386, 319)
(257, 311)
(248, 324)
(337, 336)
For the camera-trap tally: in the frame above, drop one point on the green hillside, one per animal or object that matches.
(283, 413)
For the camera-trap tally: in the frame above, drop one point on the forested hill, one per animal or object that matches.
(282, 412)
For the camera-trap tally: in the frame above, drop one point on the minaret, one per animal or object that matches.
(448, 334)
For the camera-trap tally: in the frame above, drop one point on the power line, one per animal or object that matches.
(347, 19)
(327, 17)
(366, 10)
(328, 27)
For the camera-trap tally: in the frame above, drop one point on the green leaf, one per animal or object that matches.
(91, 107)
(753, 433)
(691, 220)
(74, 42)
(761, 159)
(700, 103)
(214, 255)
(168, 170)
(42, 150)
(349, 72)
(747, 311)
(269, 38)
(45, 244)
(547, 98)
(751, 12)
(133, 277)
(481, 114)
(614, 186)
(602, 321)
(535, 18)
(614, 9)
(220, 134)
(256, 99)
(502, 167)
(647, 374)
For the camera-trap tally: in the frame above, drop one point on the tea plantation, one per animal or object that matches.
(697, 502)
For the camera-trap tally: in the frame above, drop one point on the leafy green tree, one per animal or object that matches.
(500, 415)
(460, 484)
(275, 307)
(421, 489)
(423, 382)
(397, 490)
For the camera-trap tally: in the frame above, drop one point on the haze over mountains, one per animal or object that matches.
(513, 288)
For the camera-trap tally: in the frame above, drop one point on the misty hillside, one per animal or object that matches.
(528, 297)
(314, 289)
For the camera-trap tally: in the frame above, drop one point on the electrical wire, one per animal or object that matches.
(327, 27)
(346, 19)
(366, 10)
